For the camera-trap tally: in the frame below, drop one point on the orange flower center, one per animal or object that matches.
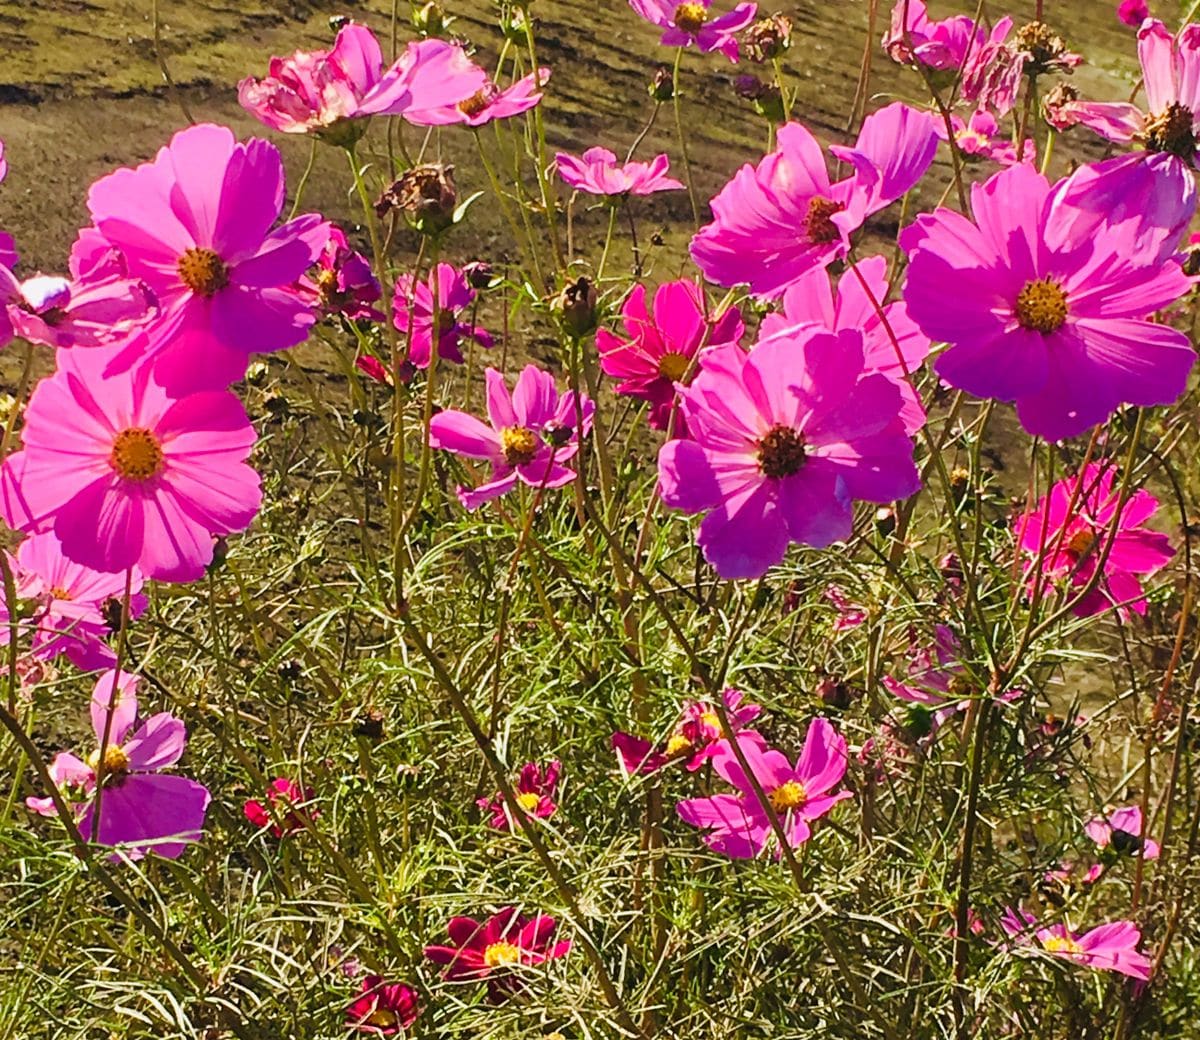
(202, 271)
(1081, 542)
(1042, 306)
(519, 443)
(476, 103)
(781, 452)
(674, 366)
(136, 454)
(788, 796)
(690, 17)
(382, 1018)
(500, 954)
(59, 593)
(818, 225)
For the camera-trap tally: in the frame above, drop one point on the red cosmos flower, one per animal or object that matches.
(291, 805)
(535, 794)
(491, 950)
(383, 1008)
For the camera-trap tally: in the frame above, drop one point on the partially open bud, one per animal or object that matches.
(426, 195)
(479, 274)
(767, 38)
(576, 307)
(765, 97)
(429, 19)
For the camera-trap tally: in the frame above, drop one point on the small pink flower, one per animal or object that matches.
(535, 791)
(532, 432)
(1070, 544)
(1110, 947)
(416, 308)
(688, 22)
(496, 950)
(849, 615)
(373, 368)
(981, 138)
(142, 809)
(1121, 831)
(599, 173)
(1133, 12)
(659, 350)
(694, 738)
(488, 103)
(383, 1008)
(343, 282)
(288, 802)
(735, 824)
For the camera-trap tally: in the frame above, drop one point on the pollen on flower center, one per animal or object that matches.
(476, 103)
(58, 592)
(1042, 306)
(673, 366)
(1061, 944)
(788, 796)
(818, 225)
(1081, 542)
(690, 17)
(202, 271)
(677, 744)
(116, 762)
(1172, 131)
(709, 718)
(528, 801)
(382, 1018)
(781, 452)
(499, 954)
(136, 454)
(519, 443)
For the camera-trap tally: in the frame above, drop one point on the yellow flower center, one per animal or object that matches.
(1081, 542)
(1042, 306)
(499, 954)
(677, 744)
(781, 452)
(528, 801)
(709, 718)
(788, 796)
(818, 225)
(1061, 944)
(519, 444)
(59, 593)
(202, 271)
(476, 103)
(690, 17)
(116, 762)
(136, 454)
(674, 366)
(383, 1018)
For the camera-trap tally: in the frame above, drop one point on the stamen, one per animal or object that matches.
(1042, 306)
(781, 452)
(202, 271)
(136, 454)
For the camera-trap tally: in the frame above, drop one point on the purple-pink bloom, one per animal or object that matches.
(1133, 12)
(343, 282)
(599, 173)
(774, 222)
(532, 433)
(142, 810)
(1121, 830)
(195, 225)
(893, 346)
(535, 790)
(1036, 314)
(1064, 537)
(128, 476)
(488, 103)
(689, 22)
(981, 138)
(1110, 947)
(694, 738)
(658, 352)
(321, 92)
(849, 615)
(286, 801)
(735, 825)
(414, 307)
(933, 689)
(785, 438)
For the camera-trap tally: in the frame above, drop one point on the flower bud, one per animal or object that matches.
(576, 307)
(429, 19)
(662, 85)
(426, 195)
(479, 274)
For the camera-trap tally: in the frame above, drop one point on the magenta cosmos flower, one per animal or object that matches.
(142, 809)
(535, 790)
(599, 173)
(774, 222)
(1110, 947)
(785, 439)
(195, 226)
(948, 45)
(488, 103)
(383, 1008)
(981, 138)
(1133, 12)
(1035, 314)
(1119, 834)
(342, 282)
(895, 349)
(533, 432)
(416, 308)
(693, 740)
(658, 351)
(70, 603)
(286, 802)
(497, 949)
(324, 92)
(1069, 539)
(735, 824)
(127, 476)
(689, 22)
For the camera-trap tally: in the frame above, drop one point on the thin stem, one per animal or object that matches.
(683, 148)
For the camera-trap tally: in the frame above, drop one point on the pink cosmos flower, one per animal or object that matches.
(1070, 543)
(486, 104)
(1110, 947)
(658, 351)
(598, 173)
(323, 92)
(778, 220)
(810, 302)
(937, 45)
(735, 824)
(383, 1008)
(933, 688)
(142, 809)
(533, 432)
(1118, 834)
(373, 369)
(849, 615)
(497, 949)
(688, 22)
(287, 802)
(343, 282)
(535, 791)
(785, 438)
(71, 601)
(982, 138)
(695, 737)
(454, 296)
(1133, 12)
(195, 226)
(1037, 315)
(127, 476)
